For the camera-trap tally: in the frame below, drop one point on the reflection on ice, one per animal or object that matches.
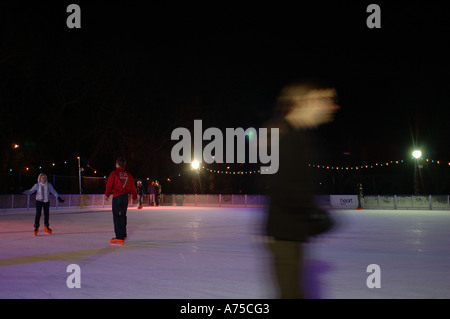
(179, 252)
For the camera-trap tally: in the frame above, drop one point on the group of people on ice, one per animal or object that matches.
(120, 183)
(153, 190)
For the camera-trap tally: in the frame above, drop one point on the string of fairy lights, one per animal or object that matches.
(327, 167)
(227, 170)
(28, 168)
(374, 165)
(49, 165)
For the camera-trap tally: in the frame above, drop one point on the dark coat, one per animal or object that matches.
(292, 188)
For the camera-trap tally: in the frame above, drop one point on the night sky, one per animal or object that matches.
(135, 71)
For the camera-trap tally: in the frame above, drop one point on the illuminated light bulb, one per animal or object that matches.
(195, 164)
(417, 154)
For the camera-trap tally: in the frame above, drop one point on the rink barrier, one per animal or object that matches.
(16, 201)
(441, 202)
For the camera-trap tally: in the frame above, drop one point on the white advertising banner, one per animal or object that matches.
(344, 201)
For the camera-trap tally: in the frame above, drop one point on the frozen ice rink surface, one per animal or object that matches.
(199, 252)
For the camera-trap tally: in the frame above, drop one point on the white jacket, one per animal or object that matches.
(42, 191)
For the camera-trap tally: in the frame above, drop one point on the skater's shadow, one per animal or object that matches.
(314, 270)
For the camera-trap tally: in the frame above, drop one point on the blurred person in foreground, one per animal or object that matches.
(301, 108)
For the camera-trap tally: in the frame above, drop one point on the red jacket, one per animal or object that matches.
(120, 182)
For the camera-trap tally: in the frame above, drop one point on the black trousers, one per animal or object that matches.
(37, 218)
(119, 210)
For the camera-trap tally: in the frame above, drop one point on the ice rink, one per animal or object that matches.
(200, 252)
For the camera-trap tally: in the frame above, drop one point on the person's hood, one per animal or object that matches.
(39, 177)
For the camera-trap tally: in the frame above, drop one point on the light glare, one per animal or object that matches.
(417, 154)
(195, 164)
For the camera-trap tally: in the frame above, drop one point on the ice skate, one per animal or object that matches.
(36, 230)
(115, 241)
(47, 230)
(140, 207)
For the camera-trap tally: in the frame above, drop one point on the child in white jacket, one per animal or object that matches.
(43, 189)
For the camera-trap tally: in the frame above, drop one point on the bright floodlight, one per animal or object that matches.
(195, 164)
(417, 154)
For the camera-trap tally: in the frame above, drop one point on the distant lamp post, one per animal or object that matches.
(195, 166)
(80, 169)
(417, 154)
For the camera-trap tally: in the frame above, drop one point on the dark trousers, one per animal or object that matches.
(360, 201)
(288, 266)
(151, 198)
(119, 210)
(37, 218)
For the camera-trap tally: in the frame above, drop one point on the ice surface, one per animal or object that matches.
(194, 252)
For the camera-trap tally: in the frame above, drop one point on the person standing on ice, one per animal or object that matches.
(151, 193)
(43, 189)
(140, 192)
(120, 183)
(301, 108)
(157, 193)
(360, 193)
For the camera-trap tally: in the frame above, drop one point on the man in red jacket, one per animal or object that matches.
(120, 183)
